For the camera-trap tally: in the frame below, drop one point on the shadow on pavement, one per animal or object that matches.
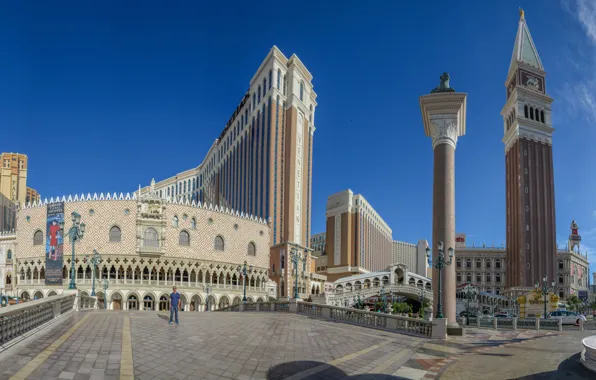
(319, 370)
(570, 368)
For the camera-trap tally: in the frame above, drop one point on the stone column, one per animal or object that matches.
(444, 118)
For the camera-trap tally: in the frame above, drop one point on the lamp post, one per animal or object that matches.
(422, 299)
(106, 284)
(383, 298)
(244, 271)
(296, 258)
(492, 302)
(207, 291)
(95, 259)
(440, 264)
(469, 291)
(75, 233)
(545, 290)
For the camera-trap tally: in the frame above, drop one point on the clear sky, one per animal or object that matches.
(103, 97)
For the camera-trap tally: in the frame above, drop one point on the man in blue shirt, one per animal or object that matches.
(174, 304)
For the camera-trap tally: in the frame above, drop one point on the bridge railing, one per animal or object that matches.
(16, 320)
(396, 323)
(515, 323)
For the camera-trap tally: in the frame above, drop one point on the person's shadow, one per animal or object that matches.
(319, 370)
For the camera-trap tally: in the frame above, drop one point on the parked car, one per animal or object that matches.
(568, 317)
(468, 314)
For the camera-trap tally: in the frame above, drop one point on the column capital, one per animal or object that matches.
(444, 130)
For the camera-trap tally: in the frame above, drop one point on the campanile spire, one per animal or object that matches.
(531, 233)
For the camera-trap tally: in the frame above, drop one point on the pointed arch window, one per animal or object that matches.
(9, 255)
(184, 239)
(542, 116)
(38, 238)
(526, 112)
(532, 113)
(193, 223)
(301, 91)
(270, 78)
(175, 221)
(115, 235)
(279, 79)
(150, 238)
(252, 249)
(219, 243)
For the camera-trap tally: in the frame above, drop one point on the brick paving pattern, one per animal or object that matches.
(274, 346)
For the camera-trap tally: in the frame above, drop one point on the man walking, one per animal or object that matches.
(174, 304)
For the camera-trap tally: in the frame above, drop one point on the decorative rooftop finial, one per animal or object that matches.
(521, 14)
(444, 85)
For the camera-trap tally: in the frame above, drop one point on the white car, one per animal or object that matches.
(568, 317)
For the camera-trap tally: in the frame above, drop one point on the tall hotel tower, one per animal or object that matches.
(261, 163)
(530, 193)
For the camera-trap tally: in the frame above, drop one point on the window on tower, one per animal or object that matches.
(526, 112)
(542, 116)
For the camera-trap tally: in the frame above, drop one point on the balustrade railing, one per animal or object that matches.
(15, 320)
(516, 324)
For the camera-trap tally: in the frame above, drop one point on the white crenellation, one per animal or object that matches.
(115, 196)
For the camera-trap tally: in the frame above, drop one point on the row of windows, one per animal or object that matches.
(479, 277)
(151, 239)
(479, 263)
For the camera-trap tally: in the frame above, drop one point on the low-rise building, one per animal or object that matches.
(411, 255)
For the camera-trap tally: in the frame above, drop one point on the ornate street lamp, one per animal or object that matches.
(469, 291)
(95, 259)
(207, 291)
(75, 233)
(296, 258)
(545, 290)
(106, 285)
(244, 272)
(422, 299)
(440, 264)
(383, 298)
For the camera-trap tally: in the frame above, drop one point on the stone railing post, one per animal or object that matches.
(293, 306)
(514, 323)
(392, 323)
(326, 312)
(439, 328)
(581, 324)
(272, 306)
(495, 323)
(537, 323)
(257, 307)
(56, 306)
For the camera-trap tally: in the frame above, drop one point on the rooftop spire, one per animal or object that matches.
(524, 49)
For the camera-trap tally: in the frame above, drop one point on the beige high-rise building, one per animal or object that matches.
(13, 178)
(358, 240)
(261, 163)
(411, 255)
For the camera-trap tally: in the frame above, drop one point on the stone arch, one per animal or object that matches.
(211, 302)
(149, 301)
(236, 300)
(52, 293)
(195, 302)
(224, 301)
(133, 301)
(163, 302)
(250, 299)
(260, 299)
(412, 281)
(400, 275)
(25, 295)
(385, 280)
(419, 284)
(38, 295)
(116, 300)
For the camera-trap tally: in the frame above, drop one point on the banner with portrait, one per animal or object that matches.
(54, 242)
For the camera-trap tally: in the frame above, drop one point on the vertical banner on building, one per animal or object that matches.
(54, 240)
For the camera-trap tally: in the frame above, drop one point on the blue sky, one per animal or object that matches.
(105, 96)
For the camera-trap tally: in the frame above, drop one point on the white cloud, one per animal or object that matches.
(579, 95)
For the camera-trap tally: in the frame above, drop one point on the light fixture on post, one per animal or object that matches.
(76, 232)
(439, 265)
(545, 289)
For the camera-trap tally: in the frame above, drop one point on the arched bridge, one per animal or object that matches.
(351, 296)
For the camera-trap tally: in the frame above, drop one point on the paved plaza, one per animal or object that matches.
(226, 345)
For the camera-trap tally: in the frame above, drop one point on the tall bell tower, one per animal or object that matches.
(530, 192)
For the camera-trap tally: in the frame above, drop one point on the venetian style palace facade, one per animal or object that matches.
(261, 163)
(486, 267)
(530, 194)
(147, 245)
